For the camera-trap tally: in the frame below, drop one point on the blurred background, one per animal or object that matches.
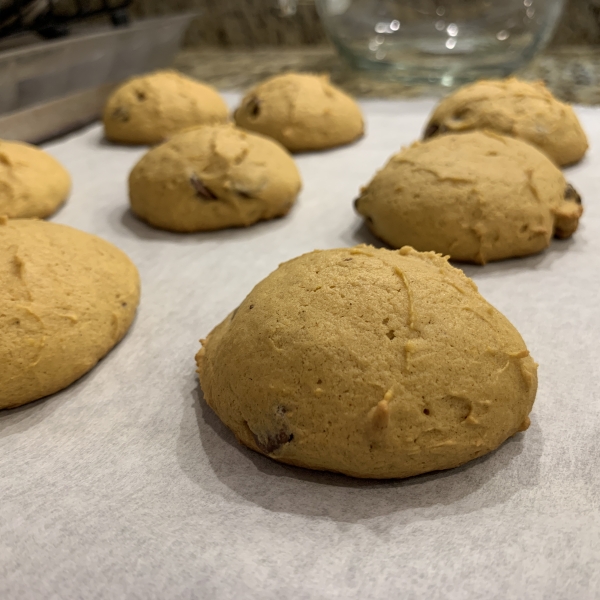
(59, 59)
(256, 23)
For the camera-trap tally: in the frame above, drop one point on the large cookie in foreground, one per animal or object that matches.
(32, 182)
(67, 297)
(150, 108)
(522, 109)
(212, 178)
(302, 112)
(476, 197)
(373, 363)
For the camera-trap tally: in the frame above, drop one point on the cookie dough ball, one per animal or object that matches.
(150, 108)
(212, 178)
(32, 183)
(373, 363)
(517, 108)
(302, 112)
(66, 299)
(476, 197)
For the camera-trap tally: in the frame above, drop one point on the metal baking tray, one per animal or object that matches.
(52, 87)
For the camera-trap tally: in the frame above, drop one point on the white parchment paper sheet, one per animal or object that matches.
(126, 485)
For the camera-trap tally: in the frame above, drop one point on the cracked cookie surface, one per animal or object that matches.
(67, 297)
(213, 177)
(302, 112)
(476, 197)
(32, 183)
(522, 109)
(374, 363)
(150, 108)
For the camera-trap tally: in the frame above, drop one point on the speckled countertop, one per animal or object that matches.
(571, 72)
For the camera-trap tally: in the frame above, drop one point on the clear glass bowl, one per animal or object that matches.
(439, 41)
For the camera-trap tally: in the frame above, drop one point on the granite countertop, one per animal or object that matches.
(571, 72)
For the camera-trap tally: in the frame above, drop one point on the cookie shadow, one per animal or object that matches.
(543, 260)
(17, 420)
(361, 234)
(482, 483)
(126, 219)
(21, 418)
(104, 142)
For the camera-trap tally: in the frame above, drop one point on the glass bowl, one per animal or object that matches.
(439, 41)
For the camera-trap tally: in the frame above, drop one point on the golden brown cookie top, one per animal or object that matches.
(149, 108)
(67, 297)
(302, 111)
(213, 177)
(32, 182)
(372, 362)
(522, 109)
(477, 196)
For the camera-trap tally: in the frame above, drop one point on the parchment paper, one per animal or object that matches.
(126, 485)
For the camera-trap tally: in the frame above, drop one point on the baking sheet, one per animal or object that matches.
(125, 485)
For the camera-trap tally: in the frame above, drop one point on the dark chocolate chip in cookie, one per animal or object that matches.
(571, 194)
(201, 190)
(273, 442)
(434, 129)
(121, 114)
(253, 106)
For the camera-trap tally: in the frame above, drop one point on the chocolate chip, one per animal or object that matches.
(434, 129)
(245, 195)
(253, 106)
(571, 194)
(274, 442)
(141, 96)
(251, 307)
(201, 190)
(121, 114)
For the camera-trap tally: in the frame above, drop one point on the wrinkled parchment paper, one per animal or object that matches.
(126, 485)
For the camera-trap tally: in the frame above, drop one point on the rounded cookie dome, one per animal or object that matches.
(150, 108)
(373, 363)
(67, 297)
(211, 178)
(522, 109)
(476, 197)
(302, 112)
(32, 183)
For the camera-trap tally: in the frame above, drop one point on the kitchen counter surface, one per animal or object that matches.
(571, 72)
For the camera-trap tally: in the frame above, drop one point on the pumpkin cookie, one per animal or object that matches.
(212, 178)
(517, 108)
(302, 112)
(373, 363)
(66, 299)
(150, 108)
(32, 183)
(476, 197)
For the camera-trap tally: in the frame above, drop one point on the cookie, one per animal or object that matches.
(212, 178)
(302, 112)
(66, 299)
(32, 183)
(521, 109)
(150, 108)
(373, 363)
(476, 197)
